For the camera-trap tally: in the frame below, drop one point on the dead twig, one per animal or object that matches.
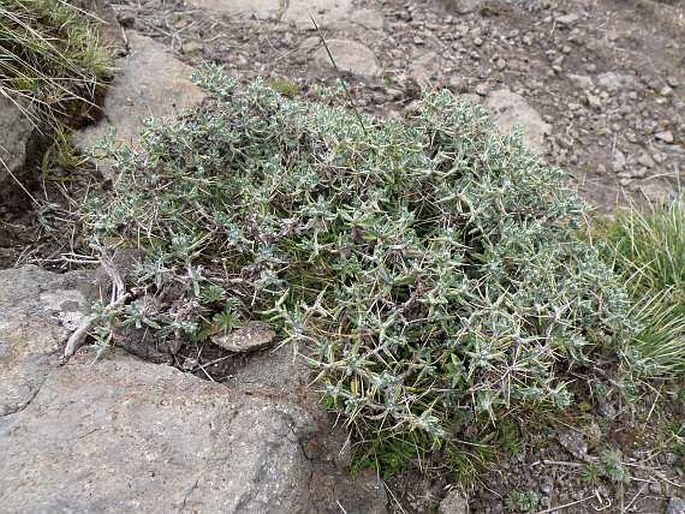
(340, 77)
(565, 505)
(118, 298)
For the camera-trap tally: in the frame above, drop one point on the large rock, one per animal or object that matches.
(349, 56)
(463, 6)
(150, 83)
(127, 436)
(38, 310)
(14, 136)
(122, 435)
(615, 82)
(329, 13)
(511, 110)
(339, 13)
(262, 9)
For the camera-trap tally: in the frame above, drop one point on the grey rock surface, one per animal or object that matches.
(120, 434)
(38, 310)
(454, 503)
(150, 83)
(349, 56)
(463, 6)
(259, 8)
(339, 13)
(15, 131)
(511, 110)
(614, 82)
(675, 506)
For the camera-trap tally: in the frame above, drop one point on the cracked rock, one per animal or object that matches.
(38, 311)
(121, 435)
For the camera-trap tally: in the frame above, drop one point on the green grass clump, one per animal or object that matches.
(429, 268)
(52, 61)
(649, 243)
(646, 244)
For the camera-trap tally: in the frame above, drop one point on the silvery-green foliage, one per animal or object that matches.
(428, 267)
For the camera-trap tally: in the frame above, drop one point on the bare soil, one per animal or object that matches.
(608, 82)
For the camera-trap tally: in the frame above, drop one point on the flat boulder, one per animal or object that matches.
(14, 136)
(262, 9)
(511, 110)
(150, 83)
(324, 12)
(349, 56)
(119, 434)
(123, 435)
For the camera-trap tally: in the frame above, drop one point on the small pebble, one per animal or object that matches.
(619, 162)
(567, 19)
(646, 161)
(664, 137)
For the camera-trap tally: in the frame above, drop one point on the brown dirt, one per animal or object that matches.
(499, 45)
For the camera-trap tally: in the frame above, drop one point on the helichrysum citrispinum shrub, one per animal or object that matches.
(428, 268)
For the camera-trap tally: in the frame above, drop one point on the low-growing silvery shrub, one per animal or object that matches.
(427, 268)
